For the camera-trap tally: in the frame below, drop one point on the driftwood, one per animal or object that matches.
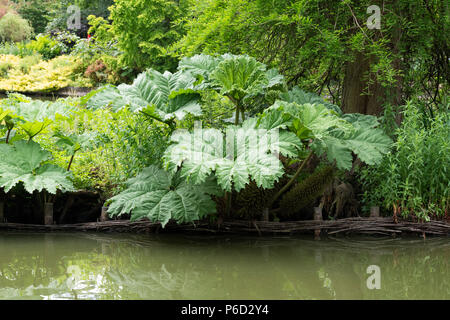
(372, 226)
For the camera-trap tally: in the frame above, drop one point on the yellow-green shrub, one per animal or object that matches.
(42, 76)
(27, 62)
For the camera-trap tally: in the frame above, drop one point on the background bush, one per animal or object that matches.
(13, 28)
(46, 46)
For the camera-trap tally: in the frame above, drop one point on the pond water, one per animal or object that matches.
(36, 97)
(168, 266)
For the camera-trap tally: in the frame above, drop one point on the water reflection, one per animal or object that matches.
(93, 266)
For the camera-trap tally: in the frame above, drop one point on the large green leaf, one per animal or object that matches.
(161, 196)
(328, 132)
(246, 152)
(239, 77)
(3, 114)
(200, 65)
(25, 162)
(241, 72)
(38, 111)
(106, 97)
(33, 128)
(34, 117)
(369, 144)
(275, 78)
(74, 142)
(362, 120)
(307, 120)
(161, 95)
(300, 97)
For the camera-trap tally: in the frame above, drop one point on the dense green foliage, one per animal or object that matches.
(14, 28)
(144, 30)
(37, 12)
(316, 43)
(249, 153)
(413, 178)
(183, 86)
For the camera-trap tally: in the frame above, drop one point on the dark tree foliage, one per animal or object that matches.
(326, 46)
(59, 15)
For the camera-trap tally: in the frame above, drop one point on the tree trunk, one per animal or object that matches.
(354, 96)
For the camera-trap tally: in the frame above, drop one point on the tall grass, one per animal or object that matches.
(414, 177)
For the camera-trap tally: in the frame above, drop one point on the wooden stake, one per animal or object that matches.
(317, 217)
(265, 215)
(2, 212)
(104, 214)
(374, 212)
(48, 214)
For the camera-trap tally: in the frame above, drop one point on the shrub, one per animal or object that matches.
(27, 62)
(145, 41)
(5, 7)
(13, 28)
(97, 72)
(46, 46)
(49, 75)
(412, 179)
(4, 69)
(16, 49)
(37, 12)
(9, 48)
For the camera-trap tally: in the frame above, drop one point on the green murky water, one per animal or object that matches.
(97, 266)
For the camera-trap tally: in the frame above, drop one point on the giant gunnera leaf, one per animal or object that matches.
(241, 153)
(161, 196)
(25, 162)
(39, 111)
(300, 97)
(236, 76)
(160, 95)
(338, 137)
